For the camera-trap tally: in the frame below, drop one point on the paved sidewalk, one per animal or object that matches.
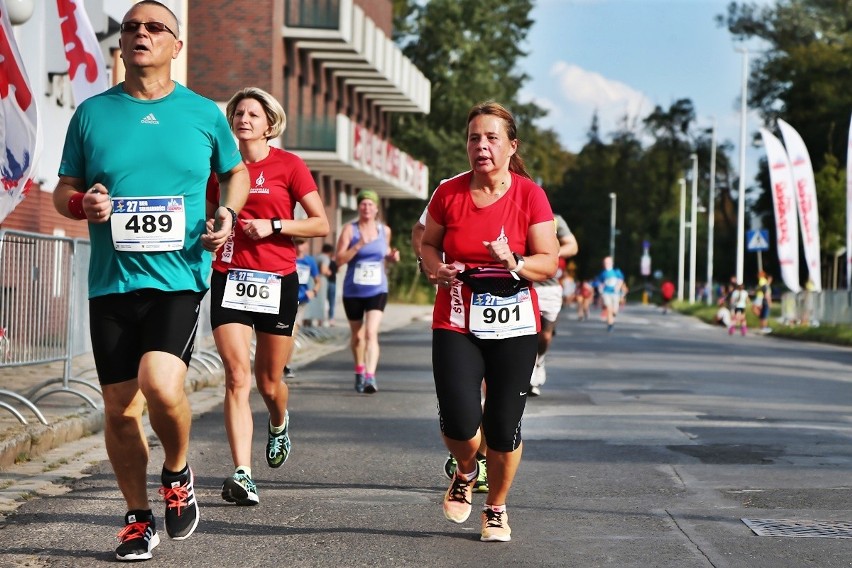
(44, 453)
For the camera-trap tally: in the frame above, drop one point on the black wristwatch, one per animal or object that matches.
(276, 225)
(519, 263)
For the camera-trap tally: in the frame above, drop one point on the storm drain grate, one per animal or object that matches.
(800, 528)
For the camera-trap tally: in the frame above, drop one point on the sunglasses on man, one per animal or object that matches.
(152, 27)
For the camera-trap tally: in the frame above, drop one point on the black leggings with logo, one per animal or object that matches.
(460, 362)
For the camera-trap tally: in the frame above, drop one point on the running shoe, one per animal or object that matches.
(240, 489)
(495, 526)
(138, 538)
(457, 499)
(181, 506)
(289, 373)
(370, 385)
(359, 382)
(481, 485)
(278, 445)
(450, 466)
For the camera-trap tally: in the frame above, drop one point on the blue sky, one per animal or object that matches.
(627, 56)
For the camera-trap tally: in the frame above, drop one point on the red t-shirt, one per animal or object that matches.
(467, 226)
(277, 183)
(667, 290)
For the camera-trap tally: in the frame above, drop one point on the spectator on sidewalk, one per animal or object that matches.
(739, 304)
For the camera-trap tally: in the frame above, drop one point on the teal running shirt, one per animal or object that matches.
(138, 149)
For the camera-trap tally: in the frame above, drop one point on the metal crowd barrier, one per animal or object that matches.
(40, 296)
(831, 307)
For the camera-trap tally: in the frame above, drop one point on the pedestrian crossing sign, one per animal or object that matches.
(757, 240)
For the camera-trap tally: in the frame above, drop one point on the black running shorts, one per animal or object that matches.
(355, 308)
(273, 324)
(126, 326)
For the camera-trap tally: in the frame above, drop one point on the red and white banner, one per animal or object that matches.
(803, 176)
(784, 204)
(18, 122)
(86, 67)
(849, 210)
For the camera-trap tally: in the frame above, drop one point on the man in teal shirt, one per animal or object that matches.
(135, 166)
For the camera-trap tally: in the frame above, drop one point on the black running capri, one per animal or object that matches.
(460, 361)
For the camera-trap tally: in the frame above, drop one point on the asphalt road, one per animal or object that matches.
(647, 448)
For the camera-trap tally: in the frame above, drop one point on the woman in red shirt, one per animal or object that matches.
(489, 234)
(255, 285)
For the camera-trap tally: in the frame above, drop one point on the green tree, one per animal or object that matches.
(803, 77)
(470, 53)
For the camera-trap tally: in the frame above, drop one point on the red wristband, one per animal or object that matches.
(75, 205)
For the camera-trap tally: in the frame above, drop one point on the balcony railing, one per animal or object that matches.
(311, 133)
(318, 14)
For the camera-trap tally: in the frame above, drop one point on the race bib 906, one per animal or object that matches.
(252, 291)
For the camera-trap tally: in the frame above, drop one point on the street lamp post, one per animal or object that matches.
(741, 196)
(711, 215)
(612, 227)
(681, 239)
(693, 227)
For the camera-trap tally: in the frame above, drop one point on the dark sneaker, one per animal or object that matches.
(481, 485)
(495, 526)
(457, 499)
(181, 506)
(138, 538)
(278, 445)
(240, 489)
(370, 385)
(450, 466)
(288, 373)
(359, 382)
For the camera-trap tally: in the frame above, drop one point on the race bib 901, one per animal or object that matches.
(148, 224)
(495, 317)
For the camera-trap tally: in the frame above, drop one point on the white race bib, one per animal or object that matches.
(303, 272)
(148, 224)
(494, 317)
(368, 273)
(252, 291)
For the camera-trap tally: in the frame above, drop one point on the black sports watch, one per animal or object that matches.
(276, 225)
(519, 263)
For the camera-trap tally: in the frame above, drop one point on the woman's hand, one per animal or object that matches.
(446, 275)
(257, 229)
(500, 251)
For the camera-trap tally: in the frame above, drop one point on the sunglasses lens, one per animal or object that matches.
(152, 27)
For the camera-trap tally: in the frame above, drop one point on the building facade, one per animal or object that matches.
(331, 63)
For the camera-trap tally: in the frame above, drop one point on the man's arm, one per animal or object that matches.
(74, 200)
(568, 246)
(233, 193)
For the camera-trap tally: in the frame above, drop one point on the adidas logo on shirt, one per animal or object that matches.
(150, 119)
